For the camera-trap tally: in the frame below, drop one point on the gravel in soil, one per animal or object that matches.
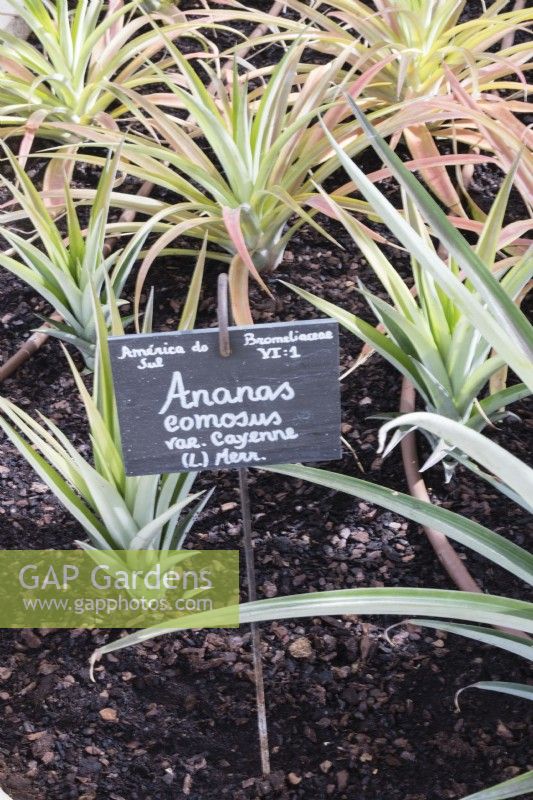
(352, 714)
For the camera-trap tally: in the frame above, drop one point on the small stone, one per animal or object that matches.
(33, 769)
(42, 743)
(503, 730)
(301, 648)
(228, 506)
(342, 779)
(169, 776)
(108, 714)
(45, 668)
(294, 779)
(92, 750)
(5, 674)
(269, 589)
(40, 488)
(30, 639)
(326, 766)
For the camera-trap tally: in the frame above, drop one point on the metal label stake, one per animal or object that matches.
(225, 351)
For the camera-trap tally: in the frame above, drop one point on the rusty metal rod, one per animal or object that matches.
(417, 488)
(262, 725)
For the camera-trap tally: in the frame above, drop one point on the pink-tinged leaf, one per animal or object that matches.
(238, 280)
(18, 71)
(327, 207)
(503, 67)
(394, 139)
(524, 177)
(508, 39)
(232, 221)
(104, 52)
(472, 225)
(31, 127)
(498, 380)
(106, 121)
(512, 233)
(163, 241)
(166, 99)
(471, 138)
(422, 145)
(58, 173)
(452, 159)
(516, 106)
(128, 214)
(504, 264)
(116, 27)
(324, 205)
(503, 114)
(403, 68)
(390, 12)
(88, 132)
(335, 114)
(524, 293)
(12, 203)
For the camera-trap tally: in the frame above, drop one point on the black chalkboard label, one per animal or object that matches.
(183, 406)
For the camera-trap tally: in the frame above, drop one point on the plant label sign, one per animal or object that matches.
(183, 406)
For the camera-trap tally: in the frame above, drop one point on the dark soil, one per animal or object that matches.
(351, 714)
